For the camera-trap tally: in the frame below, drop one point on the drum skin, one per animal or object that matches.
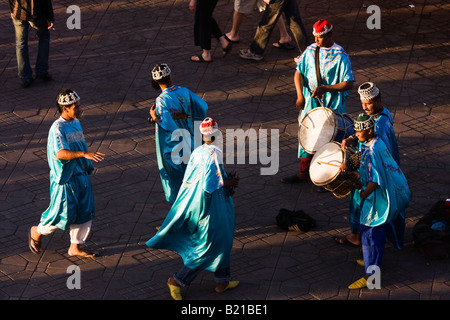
(322, 125)
(324, 170)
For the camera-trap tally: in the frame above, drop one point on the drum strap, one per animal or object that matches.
(318, 76)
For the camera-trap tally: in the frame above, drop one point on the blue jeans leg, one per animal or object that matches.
(43, 34)
(22, 53)
(23, 61)
(184, 276)
(222, 275)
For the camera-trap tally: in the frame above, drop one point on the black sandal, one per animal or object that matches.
(200, 59)
(227, 49)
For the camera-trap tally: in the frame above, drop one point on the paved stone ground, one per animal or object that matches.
(108, 62)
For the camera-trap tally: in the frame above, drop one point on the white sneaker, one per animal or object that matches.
(247, 54)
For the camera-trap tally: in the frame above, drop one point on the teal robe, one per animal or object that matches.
(335, 67)
(171, 152)
(392, 195)
(384, 130)
(71, 194)
(200, 224)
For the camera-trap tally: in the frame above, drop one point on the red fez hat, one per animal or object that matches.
(208, 126)
(322, 27)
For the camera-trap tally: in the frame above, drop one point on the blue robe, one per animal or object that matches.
(335, 67)
(171, 156)
(200, 224)
(384, 130)
(71, 194)
(392, 195)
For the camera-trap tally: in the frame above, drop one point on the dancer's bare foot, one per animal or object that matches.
(34, 240)
(74, 250)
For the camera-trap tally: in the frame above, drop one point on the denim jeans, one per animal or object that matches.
(185, 276)
(269, 20)
(23, 60)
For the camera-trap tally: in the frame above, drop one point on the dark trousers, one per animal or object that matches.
(373, 240)
(185, 276)
(205, 25)
(23, 60)
(269, 20)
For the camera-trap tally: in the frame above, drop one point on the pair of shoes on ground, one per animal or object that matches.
(225, 51)
(28, 82)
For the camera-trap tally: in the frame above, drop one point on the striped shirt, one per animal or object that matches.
(29, 10)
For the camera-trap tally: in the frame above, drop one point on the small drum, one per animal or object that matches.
(320, 126)
(324, 170)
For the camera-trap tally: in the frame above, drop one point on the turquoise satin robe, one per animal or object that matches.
(335, 67)
(71, 194)
(200, 224)
(384, 130)
(171, 163)
(387, 203)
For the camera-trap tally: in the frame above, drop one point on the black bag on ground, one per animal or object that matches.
(432, 243)
(295, 220)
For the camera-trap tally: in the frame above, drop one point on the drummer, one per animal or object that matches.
(382, 199)
(370, 97)
(336, 79)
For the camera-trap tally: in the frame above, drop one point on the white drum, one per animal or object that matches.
(322, 125)
(325, 172)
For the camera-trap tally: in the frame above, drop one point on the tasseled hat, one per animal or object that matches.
(363, 122)
(321, 27)
(208, 126)
(367, 91)
(160, 71)
(68, 99)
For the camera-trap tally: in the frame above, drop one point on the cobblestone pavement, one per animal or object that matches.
(108, 62)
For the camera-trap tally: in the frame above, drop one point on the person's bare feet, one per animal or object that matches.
(74, 250)
(34, 240)
(232, 37)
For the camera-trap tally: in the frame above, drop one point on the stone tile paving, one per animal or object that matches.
(108, 62)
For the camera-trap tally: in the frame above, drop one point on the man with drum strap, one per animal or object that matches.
(323, 77)
(383, 197)
(384, 129)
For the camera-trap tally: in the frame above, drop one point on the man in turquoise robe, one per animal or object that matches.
(336, 77)
(370, 96)
(71, 195)
(383, 197)
(175, 113)
(200, 224)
